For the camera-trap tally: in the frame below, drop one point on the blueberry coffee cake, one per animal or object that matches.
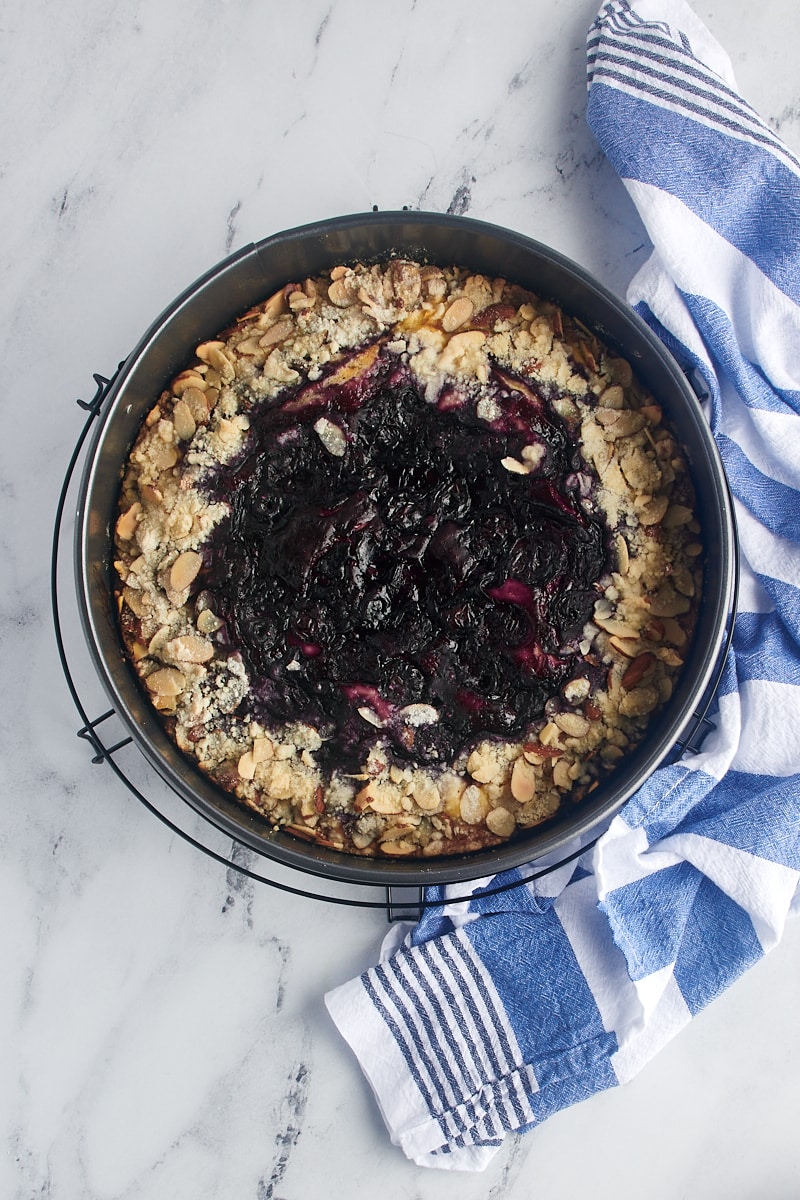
(407, 559)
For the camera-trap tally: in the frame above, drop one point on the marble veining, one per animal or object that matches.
(161, 1016)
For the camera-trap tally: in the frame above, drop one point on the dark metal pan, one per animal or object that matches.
(250, 276)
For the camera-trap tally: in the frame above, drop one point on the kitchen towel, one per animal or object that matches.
(494, 1012)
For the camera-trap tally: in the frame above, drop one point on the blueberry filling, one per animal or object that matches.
(384, 575)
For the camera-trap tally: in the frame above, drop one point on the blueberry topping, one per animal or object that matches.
(411, 569)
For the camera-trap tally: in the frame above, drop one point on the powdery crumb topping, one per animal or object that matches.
(447, 325)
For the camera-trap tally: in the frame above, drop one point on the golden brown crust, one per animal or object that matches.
(445, 324)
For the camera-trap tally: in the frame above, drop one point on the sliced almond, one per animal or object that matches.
(185, 570)
(168, 681)
(213, 353)
(299, 300)
(126, 524)
(188, 379)
(501, 822)
(572, 724)
(398, 849)
(639, 702)
(263, 749)
(342, 293)
(683, 580)
(629, 647)
(246, 765)
(198, 403)
(561, 776)
(618, 628)
(370, 717)
(274, 306)
(459, 312)
(223, 364)
(394, 833)
(276, 333)
(612, 397)
(426, 794)
(185, 424)
(623, 556)
(332, 436)
(523, 781)
(639, 668)
(669, 603)
(203, 351)
(385, 800)
(158, 641)
(620, 370)
(674, 633)
(620, 423)
(208, 621)
(652, 511)
(136, 601)
(473, 805)
(483, 767)
(515, 466)
(550, 734)
(151, 495)
(576, 690)
(677, 514)
(189, 648)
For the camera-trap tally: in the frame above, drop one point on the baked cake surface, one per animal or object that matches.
(407, 559)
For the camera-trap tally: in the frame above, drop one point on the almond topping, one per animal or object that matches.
(168, 681)
(277, 333)
(572, 724)
(341, 293)
(184, 422)
(523, 781)
(652, 511)
(561, 776)
(332, 436)
(640, 702)
(501, 822)
(630, 647)
(459, 312)
(247, 765)
(190, 648)
(126, 525)
(473, 805)
(636, 672)
(677, 514)
(185, 570)
(514, 466)
(482, 767)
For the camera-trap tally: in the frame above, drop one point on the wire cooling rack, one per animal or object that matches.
(112, 746)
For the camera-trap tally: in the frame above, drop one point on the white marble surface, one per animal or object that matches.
(163, 1033)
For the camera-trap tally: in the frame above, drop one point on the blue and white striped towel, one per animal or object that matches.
(495, 1013)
